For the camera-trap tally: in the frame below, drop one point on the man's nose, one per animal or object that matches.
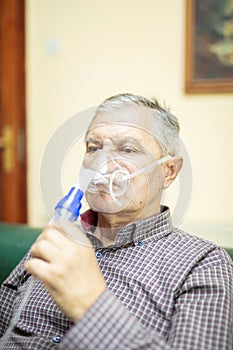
(107, 163)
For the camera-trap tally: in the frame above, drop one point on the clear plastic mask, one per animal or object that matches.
(117, 182)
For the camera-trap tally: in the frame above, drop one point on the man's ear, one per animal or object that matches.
(171, 169)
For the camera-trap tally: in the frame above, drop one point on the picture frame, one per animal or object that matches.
(209, 46)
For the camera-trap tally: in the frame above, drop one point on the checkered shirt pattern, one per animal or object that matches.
(166, 290)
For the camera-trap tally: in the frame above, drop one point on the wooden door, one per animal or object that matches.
(13, 194)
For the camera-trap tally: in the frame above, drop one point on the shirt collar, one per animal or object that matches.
(152, 228)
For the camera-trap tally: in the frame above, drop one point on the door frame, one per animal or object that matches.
(13, 180)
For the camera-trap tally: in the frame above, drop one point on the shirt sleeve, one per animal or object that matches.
(202, 318)
(8, 293)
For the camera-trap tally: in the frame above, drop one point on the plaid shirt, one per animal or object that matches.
(166, 290)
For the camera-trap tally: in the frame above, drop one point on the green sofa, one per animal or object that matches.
(15, 240)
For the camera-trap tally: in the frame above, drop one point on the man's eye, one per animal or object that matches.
(92, 149)
(128, 149)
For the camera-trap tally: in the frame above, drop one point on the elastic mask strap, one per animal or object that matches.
(149, 166)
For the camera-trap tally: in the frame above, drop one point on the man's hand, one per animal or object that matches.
(68, 269)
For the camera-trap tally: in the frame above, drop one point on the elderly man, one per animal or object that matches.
(131, 280)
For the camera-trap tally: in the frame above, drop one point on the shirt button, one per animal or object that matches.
(98, 255)
(56, 339)
(140, 243)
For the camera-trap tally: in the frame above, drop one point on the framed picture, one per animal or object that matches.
(209, 46)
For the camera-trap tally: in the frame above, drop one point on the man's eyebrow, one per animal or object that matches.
(93, 140)
(117, 141)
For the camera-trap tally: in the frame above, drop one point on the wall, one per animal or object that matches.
(80, 52)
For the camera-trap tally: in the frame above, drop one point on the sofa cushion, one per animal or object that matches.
(15, 240)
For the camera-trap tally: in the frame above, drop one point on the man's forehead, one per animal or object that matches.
(109, 134)
(119, 130)
(132, 116)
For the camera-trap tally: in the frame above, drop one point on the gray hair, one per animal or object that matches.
(166, 125)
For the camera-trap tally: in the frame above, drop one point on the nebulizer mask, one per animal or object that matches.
(111, 177)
